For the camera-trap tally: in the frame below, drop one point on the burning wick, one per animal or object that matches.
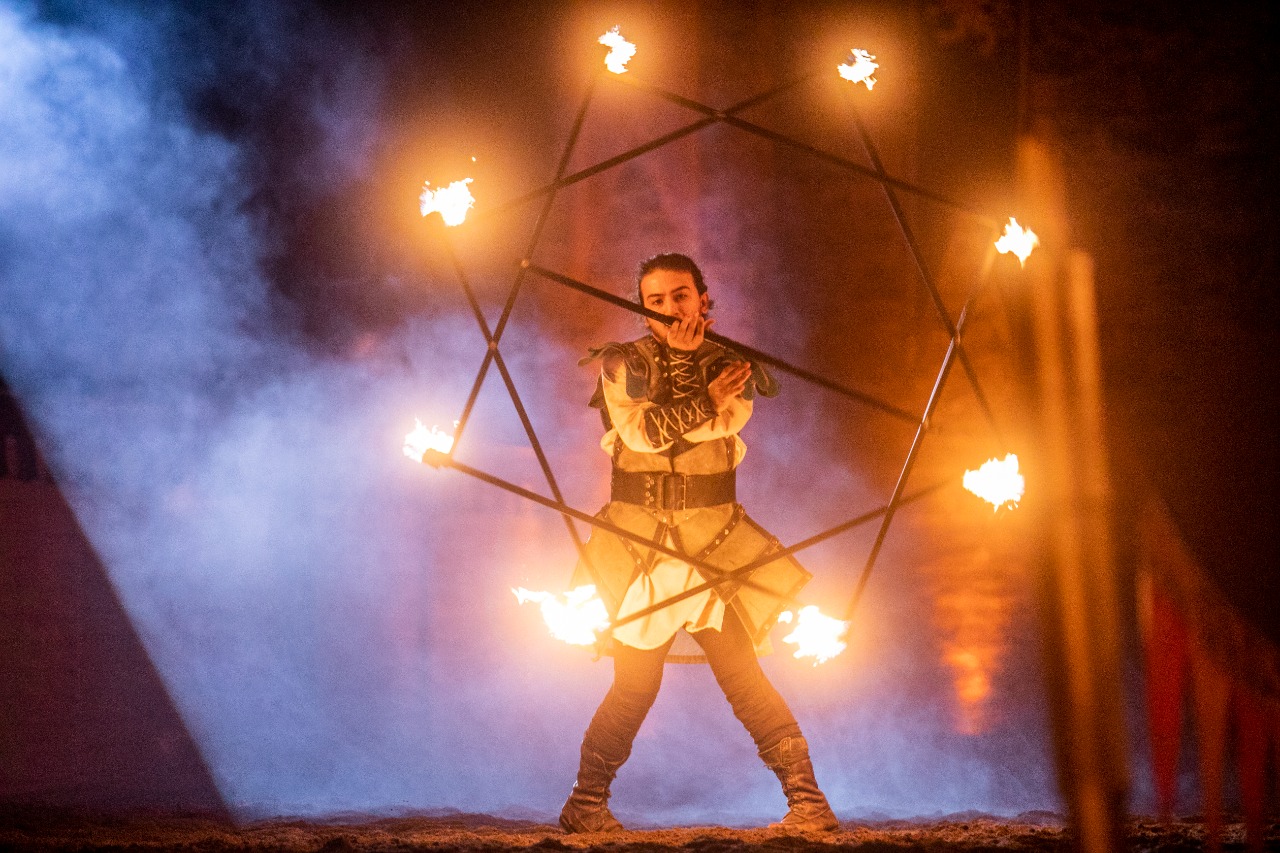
(997, 482)
(451, 202)
(422, 441)
(859, 67)
(816, 635)
(620, 51)
(576, 620)
(1018, 240)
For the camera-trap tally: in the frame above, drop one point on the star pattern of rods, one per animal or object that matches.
(454, 201)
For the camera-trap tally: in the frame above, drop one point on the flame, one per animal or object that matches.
(859, 67)
(1018, 240)
(816, 635)
(997, 482)
(620, 51)
(451, 202)
(421, 440)
(575, 620)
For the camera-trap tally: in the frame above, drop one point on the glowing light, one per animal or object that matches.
(859, 67)
(421, 440)
(620, 51)
(451, 202)
(576, 619)
(1018, 240)
(815, 635)
(972, 683)
(997, 482)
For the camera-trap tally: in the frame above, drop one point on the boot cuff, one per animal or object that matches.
(785, 752)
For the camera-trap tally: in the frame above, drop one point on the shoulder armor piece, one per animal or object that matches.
(637, 368)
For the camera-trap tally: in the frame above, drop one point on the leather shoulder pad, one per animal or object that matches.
(636, 364)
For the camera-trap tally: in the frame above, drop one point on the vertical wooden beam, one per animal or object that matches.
(1079, 601)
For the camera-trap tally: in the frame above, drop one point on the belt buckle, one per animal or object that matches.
(675, 492)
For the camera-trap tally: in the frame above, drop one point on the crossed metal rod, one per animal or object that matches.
(711, 116)
(741, 348)
(720, 576)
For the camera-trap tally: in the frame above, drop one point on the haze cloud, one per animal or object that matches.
(334, 622)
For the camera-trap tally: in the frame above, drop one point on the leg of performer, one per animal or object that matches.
(766, 717)
(637, 675)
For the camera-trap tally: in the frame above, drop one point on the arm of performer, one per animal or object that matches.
(697, 412)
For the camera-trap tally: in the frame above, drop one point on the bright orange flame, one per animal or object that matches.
(576, 619)
(620, 51)
(859, 67)
(451, 202)
(816, 635)
(421, 439)
(1018, 240)
(997, 482)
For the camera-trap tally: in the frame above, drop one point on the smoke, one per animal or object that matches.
(332, 621)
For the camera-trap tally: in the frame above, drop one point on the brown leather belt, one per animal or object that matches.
(659, 490)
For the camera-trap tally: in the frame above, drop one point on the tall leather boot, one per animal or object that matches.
(808, 809)
(587, 809)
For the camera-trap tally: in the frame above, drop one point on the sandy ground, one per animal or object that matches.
(37, 830)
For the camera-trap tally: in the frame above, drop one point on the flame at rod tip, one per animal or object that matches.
(859, 67)
(576, 618)
(997, 482)
(815, 635)
(1018, 240)
(620, 51)
(451, 202)
(421, 440)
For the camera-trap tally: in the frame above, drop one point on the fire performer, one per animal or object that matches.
(673, 404)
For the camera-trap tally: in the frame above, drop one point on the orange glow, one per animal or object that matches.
(997, 482)
(815, 635)
(620, 51)
(451, 202)
(421, 439)
(576, 618)
(859, 67)
(971, 677)
(1018, 240)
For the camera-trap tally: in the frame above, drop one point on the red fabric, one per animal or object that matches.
(1251, 743)
(1211, 692)
(1166, 655)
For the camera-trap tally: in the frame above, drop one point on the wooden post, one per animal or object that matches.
(1079, 602)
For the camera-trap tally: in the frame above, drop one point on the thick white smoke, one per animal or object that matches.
(332, 621)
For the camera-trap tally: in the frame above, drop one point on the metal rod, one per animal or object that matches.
(583, 174)
(922, 267)
(437, 459)
(538, 451)
(744, 349)
(494, 354)
(536, 237)
(774, 555)
(898, 487)
(728, 117)
(464, 282)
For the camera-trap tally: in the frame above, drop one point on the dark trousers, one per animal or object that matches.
(637, 675)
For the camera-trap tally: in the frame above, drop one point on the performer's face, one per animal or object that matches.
(671, 292)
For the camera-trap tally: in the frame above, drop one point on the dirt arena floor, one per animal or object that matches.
(36, 830)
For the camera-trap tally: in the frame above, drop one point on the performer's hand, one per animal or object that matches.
(687, 334)
(729, 384)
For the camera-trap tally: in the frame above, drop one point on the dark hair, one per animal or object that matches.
(675, 263)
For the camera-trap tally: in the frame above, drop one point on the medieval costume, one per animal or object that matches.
(674, 461)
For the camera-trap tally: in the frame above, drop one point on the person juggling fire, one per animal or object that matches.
(673, 404)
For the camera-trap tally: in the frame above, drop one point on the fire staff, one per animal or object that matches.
(673, 404)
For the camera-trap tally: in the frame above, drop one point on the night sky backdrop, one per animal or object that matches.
(221, 313)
